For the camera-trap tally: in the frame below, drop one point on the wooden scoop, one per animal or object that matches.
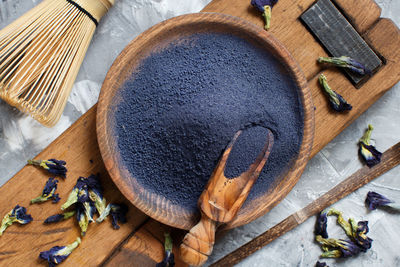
(220, 202)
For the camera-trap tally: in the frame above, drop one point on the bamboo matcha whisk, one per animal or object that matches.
(41, 53)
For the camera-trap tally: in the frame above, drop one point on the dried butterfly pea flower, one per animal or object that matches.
(17, 214)
(73, 196)
(80, 194)
(58, 254)
(53, 166)
(334, 248)
(355, 230)
(375, 200)
(360, 231)
(265, 7)
(82, 219)
(48, 192)
(117, 212)
(83, 198)
(96, 193)
(345, 62)
(337, 248)
(59, 217)
(321, 264)
(336, 101)
(367, 151)
(321, 225)
(168, 260)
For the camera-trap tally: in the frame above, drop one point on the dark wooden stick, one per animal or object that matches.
(390, 159)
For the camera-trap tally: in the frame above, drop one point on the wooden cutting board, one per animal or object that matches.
(139, 242)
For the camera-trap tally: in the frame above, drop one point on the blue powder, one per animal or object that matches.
(184, 104)
(244, 152)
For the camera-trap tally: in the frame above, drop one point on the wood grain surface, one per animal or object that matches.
(20, 245)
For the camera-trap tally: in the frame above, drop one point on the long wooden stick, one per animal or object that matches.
(390, 159)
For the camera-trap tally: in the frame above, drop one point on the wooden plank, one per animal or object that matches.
(142, 249)
(385, 37)
(337, 35)
(362, 14)
(294, 36)
(145, 248)
(78, 145)
(20, 245)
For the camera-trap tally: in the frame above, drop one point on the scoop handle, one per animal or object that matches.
(198, 244)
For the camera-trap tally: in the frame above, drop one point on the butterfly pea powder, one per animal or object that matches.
(184, 103)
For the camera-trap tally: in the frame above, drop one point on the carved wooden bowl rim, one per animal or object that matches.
(154, 205)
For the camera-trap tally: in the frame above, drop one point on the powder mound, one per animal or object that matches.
(244, 152)
(184, 104)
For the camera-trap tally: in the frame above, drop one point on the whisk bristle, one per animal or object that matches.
(41, 53)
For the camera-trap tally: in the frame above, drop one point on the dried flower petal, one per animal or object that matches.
(117, 212)
(346, 62)
(57, 254)
(96, 193)
(48, 192)
(336, 101)
(321, 224)
(338, 248)
(321, 264)
(360, 236)
(375, 200)
(73, 196)
(17, 214)
(335, 248)
(59, 217)
(82, 218)
(264, 6)
(367, 151)
(168, 260)
(83, 198)
(53, 166)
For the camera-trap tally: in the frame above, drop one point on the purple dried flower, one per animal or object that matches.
(336, 101)
(168, 260)
(117, 212)
(59, 217)
(346, 62)
(53, 166)
(348, 248)
(58, 254)
(264, 6)
(73, 196)
(367, 151)
(375, 200)
(321, 224)
(96, 193)
(82, 219)
(338, 248)
(17, 214)
(48, 192)
(360, 236)
(321, 264)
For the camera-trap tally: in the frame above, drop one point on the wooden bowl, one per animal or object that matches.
(158, 36)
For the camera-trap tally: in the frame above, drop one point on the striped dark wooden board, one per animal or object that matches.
(339, 37)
